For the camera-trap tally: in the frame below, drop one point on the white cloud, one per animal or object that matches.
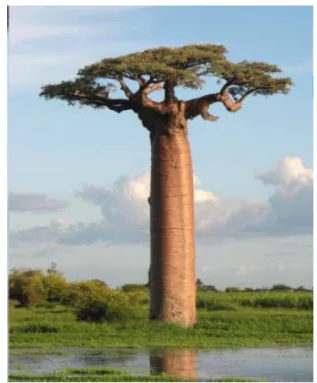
(125, 211)
(290, 208)
(34, 202)
(289, 171)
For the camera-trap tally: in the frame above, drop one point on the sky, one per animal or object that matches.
(78, 178)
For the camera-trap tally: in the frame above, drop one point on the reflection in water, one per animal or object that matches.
(291, 364)
(173, 362)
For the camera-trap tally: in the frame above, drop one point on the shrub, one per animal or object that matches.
(75, 291)
(103, 304)
(72, 295)
(56, 288)
(26, 287)
(138, 297)
(131, 287)
(209, 288)
(281, 287)
(99, 282)
(232, 289)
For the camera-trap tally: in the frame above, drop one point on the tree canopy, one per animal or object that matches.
(168, 68)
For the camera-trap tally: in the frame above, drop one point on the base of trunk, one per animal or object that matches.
(172, 275)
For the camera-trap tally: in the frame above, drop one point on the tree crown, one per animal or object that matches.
(165, 68)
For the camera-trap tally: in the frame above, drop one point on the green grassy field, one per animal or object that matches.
(224, 319)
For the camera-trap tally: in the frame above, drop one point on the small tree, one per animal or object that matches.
(172, 272)
(199, 283)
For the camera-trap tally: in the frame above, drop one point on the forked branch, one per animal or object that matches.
(125, 87)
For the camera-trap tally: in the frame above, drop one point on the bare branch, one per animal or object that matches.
(199, 106)
(230, 105)
(225, 87)
(153, 88)
(248, 93)
(125, 87)
(141, 80)
(232, 80)
(117, 105)
(157, 106)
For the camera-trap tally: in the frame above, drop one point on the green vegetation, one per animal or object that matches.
(46, 311)
(106, 375)
(39, 327)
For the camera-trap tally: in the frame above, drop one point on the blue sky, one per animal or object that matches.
(68, 198)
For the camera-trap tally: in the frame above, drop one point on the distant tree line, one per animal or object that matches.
(231, 289)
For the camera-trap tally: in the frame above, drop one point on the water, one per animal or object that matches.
(273, 364)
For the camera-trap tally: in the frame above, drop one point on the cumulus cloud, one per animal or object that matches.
(125, 210)
(290, 208)
(32, 202)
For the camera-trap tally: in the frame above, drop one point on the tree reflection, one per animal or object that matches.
(174, 362)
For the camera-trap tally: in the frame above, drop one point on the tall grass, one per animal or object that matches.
(230, 301)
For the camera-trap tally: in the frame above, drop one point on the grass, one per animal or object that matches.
(269, 299)
(107, 375)
(224, 319)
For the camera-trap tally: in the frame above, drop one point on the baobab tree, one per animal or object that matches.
(139, 75)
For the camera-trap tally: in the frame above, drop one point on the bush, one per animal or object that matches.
(56, 288)
(233, 289)
(131, 287)
(75, 291)
(27, 287)
(99, 282)
(103, 304)
(209, 288)
(281, 287)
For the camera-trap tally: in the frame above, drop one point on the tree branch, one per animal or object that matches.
(117, 105)
(225, 87)
(153, 88)
(157, 106)
(125, 87)
(199, 106)
(231, 81)
(169, 87)
(230, 105)
(141, 81)
(248, 93)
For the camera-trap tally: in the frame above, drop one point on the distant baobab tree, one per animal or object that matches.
(172, 275)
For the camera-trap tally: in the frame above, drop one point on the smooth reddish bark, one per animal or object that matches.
(172, 279)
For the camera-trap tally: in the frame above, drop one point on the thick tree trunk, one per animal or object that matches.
(172, 272)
